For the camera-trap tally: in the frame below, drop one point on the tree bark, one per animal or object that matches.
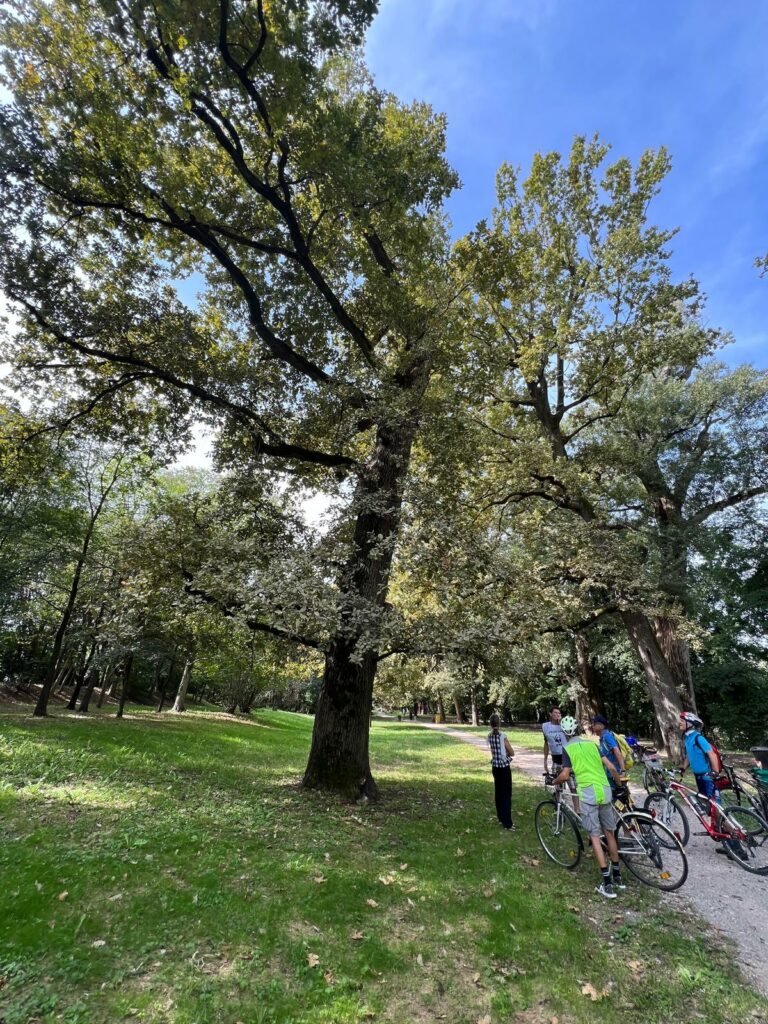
(440, 706)
(338, 758)
(166, 679)
(677, 655)
(588, 698)
(181, 694)
(92, 680)
(127, 669)
(459, 710)
(658, 678)
(41, 708)
(107, 686)
(473, 703)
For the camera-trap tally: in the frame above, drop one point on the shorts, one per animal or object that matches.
(598, 818)
(557, 759)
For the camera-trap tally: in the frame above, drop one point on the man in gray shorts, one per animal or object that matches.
(598, 817)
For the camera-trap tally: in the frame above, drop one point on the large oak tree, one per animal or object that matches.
(241, 141)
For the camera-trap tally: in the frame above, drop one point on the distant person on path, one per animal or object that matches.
(554, 739)
(609, 746)
(598, 817)
(501, 755)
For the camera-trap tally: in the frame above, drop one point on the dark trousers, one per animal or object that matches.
(502, 785)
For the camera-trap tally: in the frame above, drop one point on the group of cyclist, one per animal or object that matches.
(596, 775)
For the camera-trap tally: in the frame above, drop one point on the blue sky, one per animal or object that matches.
(517, 76)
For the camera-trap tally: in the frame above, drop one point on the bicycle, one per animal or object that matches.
(650, 851)
(741, 830)
(653, 767)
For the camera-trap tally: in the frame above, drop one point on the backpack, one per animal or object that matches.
(715, 751)
(626, 750)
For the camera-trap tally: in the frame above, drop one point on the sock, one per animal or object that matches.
(616, 867)
(605, 876)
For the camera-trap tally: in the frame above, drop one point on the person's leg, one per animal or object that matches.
(590, 819)
(607, 817)
(497, 792)
(502, 778)
(507, 796)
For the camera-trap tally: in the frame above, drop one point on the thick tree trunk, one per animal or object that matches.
(661, 686)
(473, 703)
(677, 655)
(338, 758)
(459, 710)
(181, 694)
(588, 699)
(339, 755)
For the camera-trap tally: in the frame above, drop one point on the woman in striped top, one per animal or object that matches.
(501, 754)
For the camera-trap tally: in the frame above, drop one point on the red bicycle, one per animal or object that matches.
(741, 830)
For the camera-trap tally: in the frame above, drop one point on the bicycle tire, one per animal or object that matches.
(656, 856)
(670, 812)
(650, 781)
(561, 842)
(750, 850)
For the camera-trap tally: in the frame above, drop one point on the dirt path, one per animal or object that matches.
(733, 902)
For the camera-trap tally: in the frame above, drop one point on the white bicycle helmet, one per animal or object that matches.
(569, 725)
(690, 719)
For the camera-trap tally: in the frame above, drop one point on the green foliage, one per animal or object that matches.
(733, 698)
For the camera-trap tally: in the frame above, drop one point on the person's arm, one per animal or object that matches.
(546, 753)
(712, 762)
(564, 775)
(508, 748)
(620, 758)
(612, 769)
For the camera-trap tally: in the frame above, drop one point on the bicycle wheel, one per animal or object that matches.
(651, 851)
(731, 797)
(749, 846)
(558, 834)
(670, 812)
(650, 780)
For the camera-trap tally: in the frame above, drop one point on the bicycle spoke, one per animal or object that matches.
(558, 834)
(651, 852)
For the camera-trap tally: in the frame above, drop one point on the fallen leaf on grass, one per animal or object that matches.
(319, 879)
(588, 989)
(487, 893)
(412, 888)
(372, 903)
(386, 879)
(62, 895)
(403, 867)
(459, 852)
(476, 978)
(531, 861)
(420, 960)
(313, 959)
(485, 1019)
(575, 910)
(329, 977)
(357, 936)
(98, 943)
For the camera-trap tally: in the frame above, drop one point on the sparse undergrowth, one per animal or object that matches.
(168, 869)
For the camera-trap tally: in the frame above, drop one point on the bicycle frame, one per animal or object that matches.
(692, 798)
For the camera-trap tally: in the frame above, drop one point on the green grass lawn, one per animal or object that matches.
(168, 869)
